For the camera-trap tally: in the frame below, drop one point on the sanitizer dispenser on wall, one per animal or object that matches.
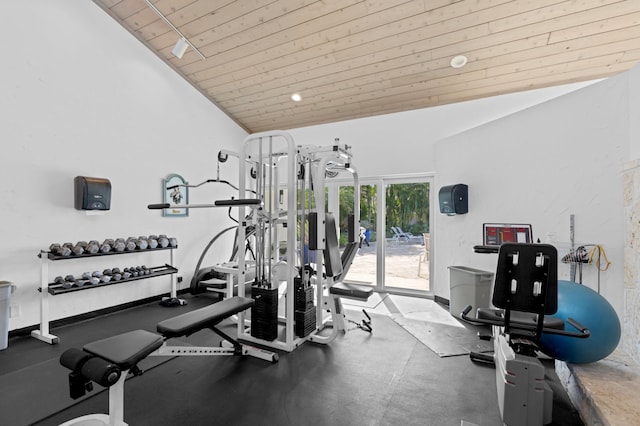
(92, 193)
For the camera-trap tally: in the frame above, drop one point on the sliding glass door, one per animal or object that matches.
(395, 225)
(363, 268)
(407, 236)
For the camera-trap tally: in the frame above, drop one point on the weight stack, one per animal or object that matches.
(305, 321)
(304, 298)
(305, 315)
(264, 313)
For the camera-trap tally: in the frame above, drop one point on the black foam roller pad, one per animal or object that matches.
(74, 359)
(101, 371)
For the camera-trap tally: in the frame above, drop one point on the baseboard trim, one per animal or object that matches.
(441, 300)
(93, 314)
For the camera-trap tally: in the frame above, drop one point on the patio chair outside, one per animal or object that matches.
(424, 256)
(397, 236)
(408, 235)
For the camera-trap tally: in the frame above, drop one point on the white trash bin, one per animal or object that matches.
(6, 288)
(469, 286)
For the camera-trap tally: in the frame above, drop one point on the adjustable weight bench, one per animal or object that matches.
(108, 362)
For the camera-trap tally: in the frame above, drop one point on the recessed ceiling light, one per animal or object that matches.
(296, 97)
(458, 61)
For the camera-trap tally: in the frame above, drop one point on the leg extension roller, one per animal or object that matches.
(107, 363)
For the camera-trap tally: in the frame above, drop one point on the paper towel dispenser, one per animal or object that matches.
(92, 193)
(454, 199)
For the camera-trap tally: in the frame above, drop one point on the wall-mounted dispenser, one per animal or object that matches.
(454, 199)
(92, 193)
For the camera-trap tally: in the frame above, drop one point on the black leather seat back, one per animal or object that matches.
(332, 261)
(527, 280)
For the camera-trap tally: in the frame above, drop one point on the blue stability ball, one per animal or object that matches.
(592, 311)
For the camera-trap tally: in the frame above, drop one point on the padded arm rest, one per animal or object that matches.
(520, 318)
(352, 291)
(125, 350)
(209, 316)
(583, 332)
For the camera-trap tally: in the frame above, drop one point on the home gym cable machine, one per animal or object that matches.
(281, 207)
(290, 181)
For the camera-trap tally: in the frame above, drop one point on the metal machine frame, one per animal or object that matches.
(305, 168)
(283, 185)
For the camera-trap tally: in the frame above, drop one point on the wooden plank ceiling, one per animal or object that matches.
(359, 58)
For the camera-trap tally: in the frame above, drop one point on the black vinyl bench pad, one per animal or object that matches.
(351, 291)
(127, 349)
(191, 322)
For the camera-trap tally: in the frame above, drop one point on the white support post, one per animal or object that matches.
(292, 238)
(43, 333)
(336, 324)
(116, 401)
(116, 408)
(174, 281)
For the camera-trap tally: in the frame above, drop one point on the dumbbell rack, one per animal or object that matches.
(48, 289)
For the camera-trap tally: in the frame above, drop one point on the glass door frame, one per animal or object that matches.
(381, 223)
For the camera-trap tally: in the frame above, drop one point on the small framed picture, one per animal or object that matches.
(176, 193)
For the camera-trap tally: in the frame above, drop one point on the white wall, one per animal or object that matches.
(539, 166)
(81, 96)
(404, 143)
(533, 157)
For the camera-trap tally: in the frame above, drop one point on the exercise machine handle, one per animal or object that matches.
(464, 315)
(465, 312)
(486, 249)
(238, 202)
(584, 331)
(218, 203)
(159, 206)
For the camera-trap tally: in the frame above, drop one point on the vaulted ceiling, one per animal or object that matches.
(357, 58)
